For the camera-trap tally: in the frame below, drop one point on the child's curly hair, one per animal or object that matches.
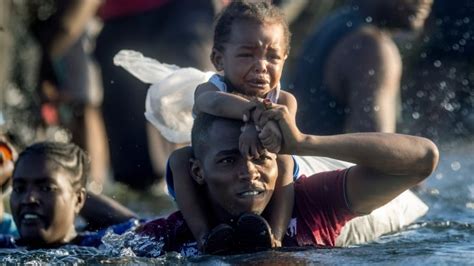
(260, 12)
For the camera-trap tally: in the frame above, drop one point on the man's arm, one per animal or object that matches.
(101, 211)
(386, 164)
(74, 21)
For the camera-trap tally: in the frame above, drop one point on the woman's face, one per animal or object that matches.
(44, 202)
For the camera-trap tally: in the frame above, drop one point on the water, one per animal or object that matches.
(444, 236)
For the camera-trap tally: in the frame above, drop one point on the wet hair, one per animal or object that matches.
(68, 156)
(260, 12)
(201, 130)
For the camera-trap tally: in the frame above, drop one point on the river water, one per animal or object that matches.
(445, 235)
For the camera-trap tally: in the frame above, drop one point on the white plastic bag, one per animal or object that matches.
(170, 98)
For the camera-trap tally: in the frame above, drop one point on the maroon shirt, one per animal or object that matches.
(321, 210)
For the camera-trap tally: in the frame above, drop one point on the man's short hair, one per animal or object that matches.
(201, 131)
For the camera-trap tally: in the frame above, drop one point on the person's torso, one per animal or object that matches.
(119, 8)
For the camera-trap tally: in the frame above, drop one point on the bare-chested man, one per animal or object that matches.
(348, 78)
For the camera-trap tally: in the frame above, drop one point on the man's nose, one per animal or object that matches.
(248, 171)
(31, 196)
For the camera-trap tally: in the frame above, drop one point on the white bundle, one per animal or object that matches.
(170, 98)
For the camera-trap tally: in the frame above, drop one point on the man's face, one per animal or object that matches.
(235, 184)
(406, 14)
(253, 58)
(43, 202)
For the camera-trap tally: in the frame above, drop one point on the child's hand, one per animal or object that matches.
(270, 137)
(249, 143)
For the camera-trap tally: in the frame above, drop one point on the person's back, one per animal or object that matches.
(349, 75)
(319, 111)
(169, 30)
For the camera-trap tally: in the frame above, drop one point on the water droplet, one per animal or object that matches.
(368, 19)
(420, 94)
(376, 108)
(437, 63)
(367, 109)
(466, 20)
(415, 115)
(455, 46)
(112, 81)
(470, 205)
(371, 72)
(423, 55)
(462, 42)
(455, 166)
(439, 176)
(442, 85)
(349, 24)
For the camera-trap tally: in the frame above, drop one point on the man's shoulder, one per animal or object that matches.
(172, 233)
(367, 38)
(368, 47)
(161, 225)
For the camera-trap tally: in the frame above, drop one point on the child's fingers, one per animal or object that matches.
(271, 114)
(271, 145)
(254, 151)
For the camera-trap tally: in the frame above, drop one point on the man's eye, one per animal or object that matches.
(18, 189)
(245, 55)
(274, 56)
(262, 159)
(48, 188)
(228, 160)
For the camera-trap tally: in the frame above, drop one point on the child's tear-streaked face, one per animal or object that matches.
(253, 58)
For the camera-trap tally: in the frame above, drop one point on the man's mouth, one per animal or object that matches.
(251, 192)
(30, 218)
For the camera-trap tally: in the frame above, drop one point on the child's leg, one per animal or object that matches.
(189, 202)
(280, 209)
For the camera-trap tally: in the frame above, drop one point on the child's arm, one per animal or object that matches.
(281, 206)
(187, 197)
(208, 99)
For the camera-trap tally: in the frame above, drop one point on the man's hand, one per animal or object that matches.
(249, 143)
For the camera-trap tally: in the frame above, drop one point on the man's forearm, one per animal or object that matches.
(394, 154)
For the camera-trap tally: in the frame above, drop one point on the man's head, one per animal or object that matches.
(401, 14)
(233, 183)
(48, 192)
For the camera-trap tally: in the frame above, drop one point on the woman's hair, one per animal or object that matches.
(260, 12)
(68, 156)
